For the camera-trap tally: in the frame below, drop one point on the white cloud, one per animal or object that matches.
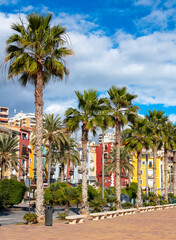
(144, 2)
(172, 118)
(147, 65)
(27, 9)
(7, 2)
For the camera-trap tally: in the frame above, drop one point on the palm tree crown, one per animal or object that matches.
(9, 148)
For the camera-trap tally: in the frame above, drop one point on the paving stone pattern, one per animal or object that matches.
(155, 225)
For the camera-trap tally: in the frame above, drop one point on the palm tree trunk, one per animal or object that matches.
(85, 206)
(154, 168)
(39, 131)
(62, 172)
(67, 206)
(165, 173)
(139, 199)
(117, 167)
(174, 180)
(49, 163)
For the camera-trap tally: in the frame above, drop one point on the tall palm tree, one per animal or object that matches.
(9, 156)
(125, 161)
(137, 139)
(53, 133)
(36, 54)
(122, 111)
(88, 107)
(156, 119)
(68, 152)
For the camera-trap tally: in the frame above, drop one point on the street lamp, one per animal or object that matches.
(147, 172)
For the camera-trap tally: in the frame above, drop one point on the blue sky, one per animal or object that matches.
(123, 42)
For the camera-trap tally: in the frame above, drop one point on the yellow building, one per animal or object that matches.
(159, 172)
(33, 163)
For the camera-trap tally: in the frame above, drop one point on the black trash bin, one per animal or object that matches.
(48, 215)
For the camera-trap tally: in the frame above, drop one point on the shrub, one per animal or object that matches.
(111, 199)
(127, 205)
(30, 218)
(132, 190)
(97, 204)
(163, 202)
(11, 192)
(62, 216)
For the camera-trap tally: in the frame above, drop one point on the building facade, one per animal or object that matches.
(23, 120)
(4, 115)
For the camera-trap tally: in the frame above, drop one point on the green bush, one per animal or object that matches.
(62, 193)
(163, 202)
(127, 205)
(62, 216)
(171, 198)
(11, 192)
(111, 199)
(132, 190)
(97, 204)
(30, 218)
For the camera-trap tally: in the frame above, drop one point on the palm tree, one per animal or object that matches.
(169, 143)
(122, 111)
(125, 161)
(9, 157)
(156, 119)
(68, 152)
(137, 139)
(36, 54)
(53, 133)
(88, 107)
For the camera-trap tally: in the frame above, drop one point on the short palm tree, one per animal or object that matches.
(122, 112)
(36, 53)
(137, 139)
(88, 107)
(68, 152)
(125, 161)
(53, 134)
(9, 153)
(156, 119)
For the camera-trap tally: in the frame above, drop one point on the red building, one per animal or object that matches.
(109, 180)
(24, 139)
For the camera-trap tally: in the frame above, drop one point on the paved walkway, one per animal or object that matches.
(155, 225)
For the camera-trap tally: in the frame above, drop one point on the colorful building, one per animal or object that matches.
(23, 135)
(159, 172)
(4, 115)
(109, 179)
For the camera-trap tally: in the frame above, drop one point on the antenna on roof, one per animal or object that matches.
(14, 111)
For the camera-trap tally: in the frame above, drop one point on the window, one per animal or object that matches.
(143, 162)
(141, 172)
(30, 160)
(150, 164)
(106, 147)
(141, 182)
(105, 156)
(24, 136)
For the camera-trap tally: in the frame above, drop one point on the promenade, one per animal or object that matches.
(155, 225)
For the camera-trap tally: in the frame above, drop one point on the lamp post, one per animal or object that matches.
(147, 172)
